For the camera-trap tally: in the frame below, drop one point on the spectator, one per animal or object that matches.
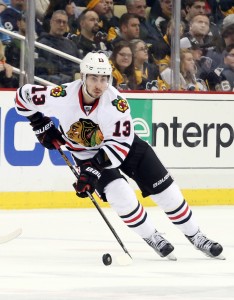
(216, 15)
(148, 33)
(7, 79)
(89, 38)
(165, 47)
(198, 7)
(54, 5)
(188, 79)
(9, 16)
(192, 9)
(227, 34)
(222, 78)
(72, 19)
(227, 7)
(111, 18)
(3, 37)
(147, 75)
(204, 64)
(228, 30)
(77, 10)
(199, 32)
(13, 48)
(160, 15)
(50, 66)
(217, 57)
(100, 7)
(189, 71)
(121, 60)
(2, 6)
(41, 7)
(129, 28)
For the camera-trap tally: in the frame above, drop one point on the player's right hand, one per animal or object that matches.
(46, 132)
(88, 178)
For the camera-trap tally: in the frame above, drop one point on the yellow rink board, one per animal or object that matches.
(33, 200)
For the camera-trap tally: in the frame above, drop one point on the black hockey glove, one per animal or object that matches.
(88, 179)
(90, 172)
(45, 131)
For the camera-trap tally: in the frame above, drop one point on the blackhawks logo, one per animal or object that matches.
(58, 91)
(85, 132)
(121, 104)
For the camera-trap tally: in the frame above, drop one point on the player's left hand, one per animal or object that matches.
(88, 178)
(46, 132)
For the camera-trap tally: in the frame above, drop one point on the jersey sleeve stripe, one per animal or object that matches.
(114, 153)
(125, 153)
(74, 150)
(71, 147)
(20, 106)
(20, 94)
(123, 144)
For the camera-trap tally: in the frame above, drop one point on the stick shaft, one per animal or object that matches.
(92, 199)
(108, 223)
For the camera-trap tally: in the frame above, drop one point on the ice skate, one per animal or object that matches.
(161, 246)
(208, 247)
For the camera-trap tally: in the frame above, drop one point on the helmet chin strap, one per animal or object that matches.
(86, 92)
(85, 87)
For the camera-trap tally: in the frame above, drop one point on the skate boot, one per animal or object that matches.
(209, 247)
(160, 245)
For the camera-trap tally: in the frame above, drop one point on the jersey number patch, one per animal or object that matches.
(38, 99)
(124, 128)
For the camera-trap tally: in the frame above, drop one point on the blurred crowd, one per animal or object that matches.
(137, 41)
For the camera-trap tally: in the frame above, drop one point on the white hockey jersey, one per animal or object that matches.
(107, 124)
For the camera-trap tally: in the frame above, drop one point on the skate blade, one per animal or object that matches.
(220, 257)
(171, 257)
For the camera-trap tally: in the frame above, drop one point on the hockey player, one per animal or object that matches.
(97, 128)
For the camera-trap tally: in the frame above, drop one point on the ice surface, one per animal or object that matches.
(59, 257)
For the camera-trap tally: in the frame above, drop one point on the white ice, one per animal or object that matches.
(59, 257)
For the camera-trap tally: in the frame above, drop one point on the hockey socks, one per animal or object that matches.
(128, 207)
(177, 209)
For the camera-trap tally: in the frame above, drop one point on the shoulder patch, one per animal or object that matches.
(58, 91)
(121, 104)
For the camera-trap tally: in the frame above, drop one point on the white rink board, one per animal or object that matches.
(200, 141)
(203, 166)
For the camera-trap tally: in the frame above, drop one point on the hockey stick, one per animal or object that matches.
(10, 236)
(121, 260)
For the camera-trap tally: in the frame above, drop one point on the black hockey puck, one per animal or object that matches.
(107, 259)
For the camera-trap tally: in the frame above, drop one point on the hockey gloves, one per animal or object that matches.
(45, 131)
(90, 173)
(88, 178)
